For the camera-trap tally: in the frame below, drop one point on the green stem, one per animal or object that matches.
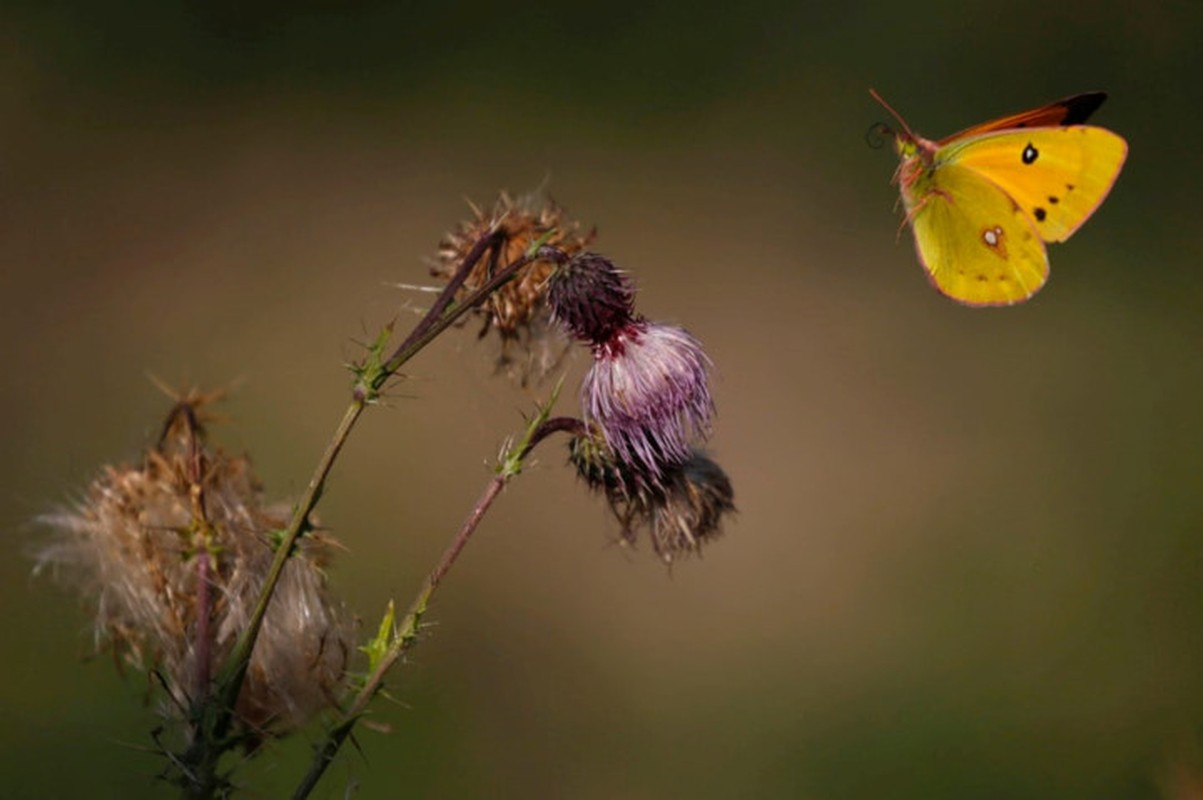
(406, 634)
(215, 718)
(404, 638)
(232, 675)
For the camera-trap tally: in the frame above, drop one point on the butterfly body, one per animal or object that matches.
(982, 203)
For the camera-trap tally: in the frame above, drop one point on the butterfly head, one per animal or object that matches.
(906, 142)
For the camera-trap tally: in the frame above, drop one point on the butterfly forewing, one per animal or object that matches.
(1057, 176)
(1067, 111)
(978, 247)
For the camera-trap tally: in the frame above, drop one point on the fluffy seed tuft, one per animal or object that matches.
(171, 555)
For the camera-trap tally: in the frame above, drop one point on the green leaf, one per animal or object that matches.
(378, 647)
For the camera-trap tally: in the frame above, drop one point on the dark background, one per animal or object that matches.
(967, 561)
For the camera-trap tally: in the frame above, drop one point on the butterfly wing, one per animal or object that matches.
(1066, 111)
(1057, 176)
(978, 246)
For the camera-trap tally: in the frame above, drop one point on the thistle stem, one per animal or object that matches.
(486, 244)
(230, 680)
(405, 635)
(426, 331)
(214, 724)
(204, 611)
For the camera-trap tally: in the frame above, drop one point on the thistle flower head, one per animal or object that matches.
(591, 298)
(171, 553)
(647, 392)
(518, 310)
(679, 514)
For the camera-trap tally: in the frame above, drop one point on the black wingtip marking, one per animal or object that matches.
(1079, 107)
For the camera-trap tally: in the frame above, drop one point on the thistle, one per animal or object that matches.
(171, 554)
(679, 514)
(517, 311)
(647, 391)
(194, 578)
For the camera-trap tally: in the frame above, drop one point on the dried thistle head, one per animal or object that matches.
(518, 310)
(679, 512)
(171, 554)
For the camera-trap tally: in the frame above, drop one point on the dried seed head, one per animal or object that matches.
(689, 510)
(680, 513)
(647, 392)
(596, 466)
(518, 310)
(172, 554)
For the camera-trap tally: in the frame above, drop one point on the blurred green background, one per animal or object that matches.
(969, 555)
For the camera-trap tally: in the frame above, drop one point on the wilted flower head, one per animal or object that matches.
(518, 310)
(172, 554)
(680, 513)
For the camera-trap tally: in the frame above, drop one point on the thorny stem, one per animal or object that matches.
(432, 325)
(231, 677)
(213, 727)
(185, 414)
(487, 243)
(406, 634)
(554, 425)
(185, 411)
(204, 610)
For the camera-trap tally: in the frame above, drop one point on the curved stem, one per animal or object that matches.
(424, 333)
(230, 680)
(404, 638)
(406, 634)
(214, 719)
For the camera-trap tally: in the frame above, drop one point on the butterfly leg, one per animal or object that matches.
(918, 207)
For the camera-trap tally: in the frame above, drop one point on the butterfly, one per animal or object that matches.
(982, 203)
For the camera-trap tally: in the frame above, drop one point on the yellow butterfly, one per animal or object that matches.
(982, 202)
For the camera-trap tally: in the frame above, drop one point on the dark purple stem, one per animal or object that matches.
(570, 425)
(185, 413)
(447, 296)
(204, 610)
(407, 631)
(494, 488)
(444, 313)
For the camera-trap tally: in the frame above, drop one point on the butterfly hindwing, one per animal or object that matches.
(1058, 176)
(977, 245)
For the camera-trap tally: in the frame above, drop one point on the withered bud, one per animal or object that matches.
(518, 311)
(680, 513)
(591, 298)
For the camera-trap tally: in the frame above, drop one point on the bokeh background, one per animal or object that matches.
(969, 555)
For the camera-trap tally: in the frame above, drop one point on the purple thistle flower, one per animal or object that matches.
(647, 394)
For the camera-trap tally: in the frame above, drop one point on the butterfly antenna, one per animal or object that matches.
(874, 137)
(906, 129)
